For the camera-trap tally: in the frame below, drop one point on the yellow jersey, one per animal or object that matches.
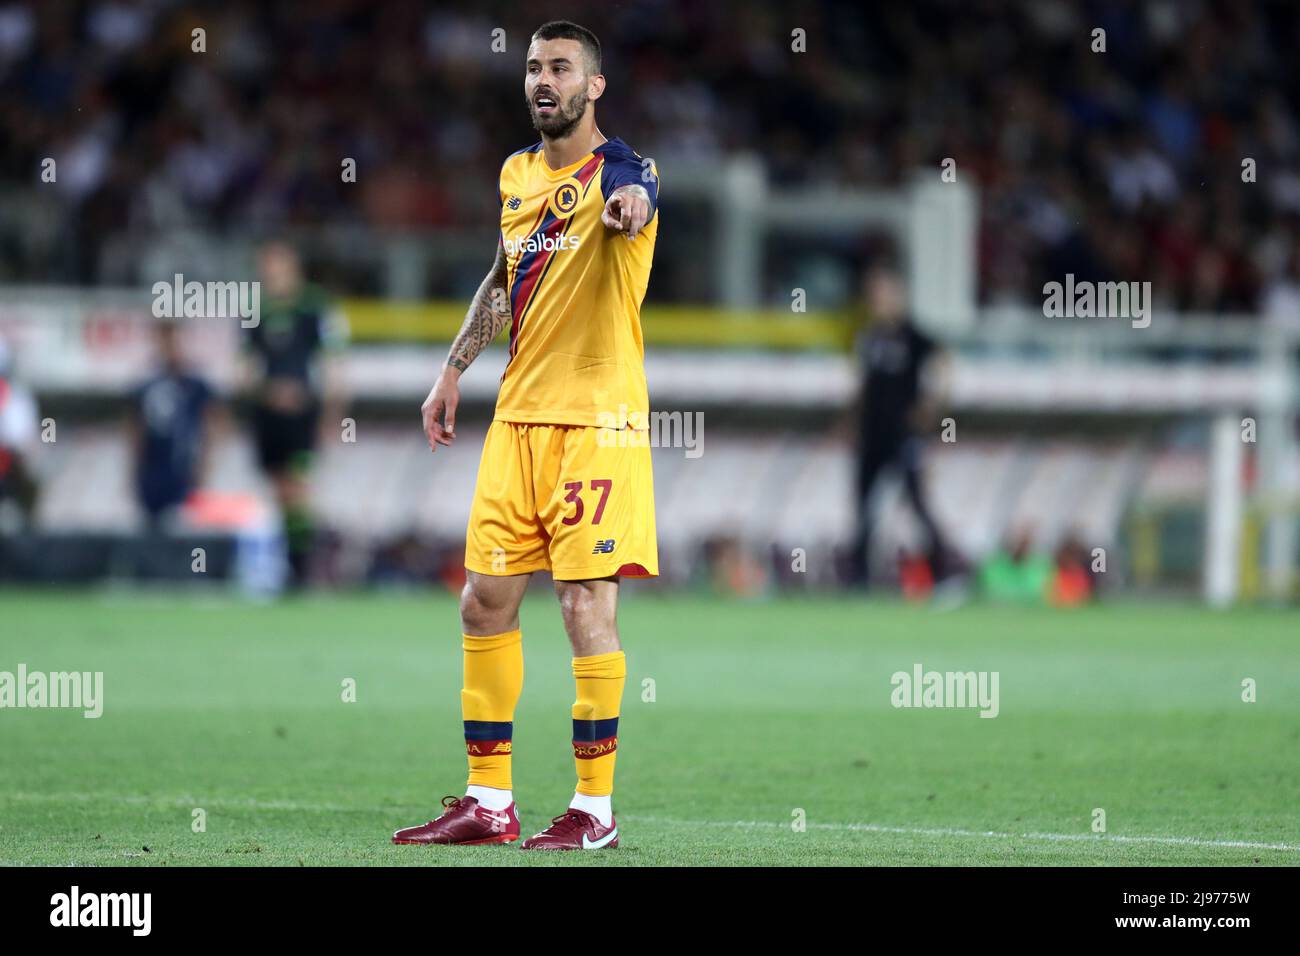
(575, 287)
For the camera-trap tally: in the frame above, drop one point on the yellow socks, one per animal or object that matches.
(599, 680)
(494, 676)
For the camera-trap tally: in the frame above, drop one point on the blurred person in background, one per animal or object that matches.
(1073, 580)
(171, 425)
(1016, 573)
(295, 385)
(19, 428)
(903, 371)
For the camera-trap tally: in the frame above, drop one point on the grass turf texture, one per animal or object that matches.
(760, 708)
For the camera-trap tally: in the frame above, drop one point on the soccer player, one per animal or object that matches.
(295, 383)
(564, 482)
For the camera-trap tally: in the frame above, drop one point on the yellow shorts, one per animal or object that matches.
(572, 499)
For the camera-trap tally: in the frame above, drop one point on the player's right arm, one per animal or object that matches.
(487, 316)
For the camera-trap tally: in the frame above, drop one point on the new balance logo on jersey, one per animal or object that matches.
(513, 202)
(604, 547)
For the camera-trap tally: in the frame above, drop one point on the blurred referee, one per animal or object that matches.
(296, 389)
(899, 403)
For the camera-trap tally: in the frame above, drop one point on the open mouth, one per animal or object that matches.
(545, 105)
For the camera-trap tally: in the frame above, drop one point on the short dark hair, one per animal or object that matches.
(567, 30)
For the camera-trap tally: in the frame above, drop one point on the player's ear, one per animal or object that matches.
(595, 86)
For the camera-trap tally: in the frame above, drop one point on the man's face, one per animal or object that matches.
(169, 346)
(280, 270)
(557, 87)
(886, 297)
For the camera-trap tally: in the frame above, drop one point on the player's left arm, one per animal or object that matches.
(632, 195)
(627, 210)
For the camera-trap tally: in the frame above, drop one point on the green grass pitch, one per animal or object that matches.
(761, 712)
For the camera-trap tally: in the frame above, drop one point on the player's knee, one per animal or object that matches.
(474, 611)
(481, 612)
(583, 612)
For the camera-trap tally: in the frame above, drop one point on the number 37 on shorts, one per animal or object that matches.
(575, 500)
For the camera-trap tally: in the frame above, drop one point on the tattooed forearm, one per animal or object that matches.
(487, 316)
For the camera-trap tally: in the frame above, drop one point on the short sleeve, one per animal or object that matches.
(623, 167)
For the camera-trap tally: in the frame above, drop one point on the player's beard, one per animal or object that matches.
(564, 120)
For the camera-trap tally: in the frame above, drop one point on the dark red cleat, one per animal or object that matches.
(465, 823)
(575, 830)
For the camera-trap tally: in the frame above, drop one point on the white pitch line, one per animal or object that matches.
(954, 832)
(140, 800)
(250, 803)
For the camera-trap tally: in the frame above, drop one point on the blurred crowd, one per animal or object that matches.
(1123, 164)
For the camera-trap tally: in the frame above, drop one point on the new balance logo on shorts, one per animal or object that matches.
(604, 547)
(514, 202)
